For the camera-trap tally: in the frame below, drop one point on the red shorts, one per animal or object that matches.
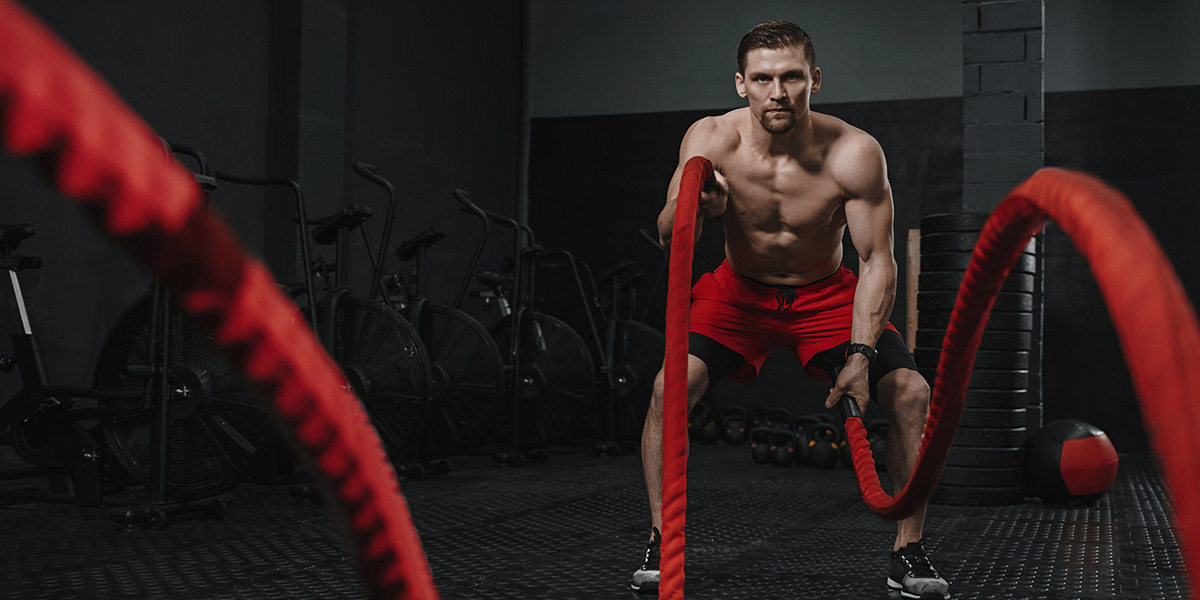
(752, 318)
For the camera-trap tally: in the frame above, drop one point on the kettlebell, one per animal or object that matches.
(825, 417)
(877, 432)
(707, 430)
(711, 432)
(734, 419)
(760, 445)
(799, 426)
(822, 445)
(778, 418)
(758, 418)
(783, 448)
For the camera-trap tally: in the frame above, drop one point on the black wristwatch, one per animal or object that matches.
(864, 350)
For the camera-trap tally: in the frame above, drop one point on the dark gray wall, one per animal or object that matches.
(1124, 45)
(585, 59)
(298, 89)
(628, 56)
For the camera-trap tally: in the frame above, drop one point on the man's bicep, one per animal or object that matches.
(869, 220)
(869, 209)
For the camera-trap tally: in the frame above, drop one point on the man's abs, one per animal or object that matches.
(773, 259)
(789, 237)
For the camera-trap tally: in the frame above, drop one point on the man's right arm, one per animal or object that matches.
(703, 138)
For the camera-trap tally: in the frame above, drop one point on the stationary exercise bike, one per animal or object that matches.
(631, 358)
(551, 373)
(467, 392)
(174, 414)
(377, 349)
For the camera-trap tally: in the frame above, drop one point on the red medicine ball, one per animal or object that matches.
(1071, 462)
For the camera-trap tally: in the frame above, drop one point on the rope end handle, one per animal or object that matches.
(847, 406)
(849, 409)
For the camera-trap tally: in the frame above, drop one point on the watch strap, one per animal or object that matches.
(864, 350)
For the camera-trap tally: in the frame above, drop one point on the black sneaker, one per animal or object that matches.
(645, 579)
(913, 576)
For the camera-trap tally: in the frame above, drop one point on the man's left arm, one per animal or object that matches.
(862, 172)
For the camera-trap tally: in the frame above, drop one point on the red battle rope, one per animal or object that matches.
(674, 444)
(1154, 319)
(1155, 322)
(105, 157)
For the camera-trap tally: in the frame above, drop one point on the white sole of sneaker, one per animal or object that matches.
(896, 587)
(646, 588)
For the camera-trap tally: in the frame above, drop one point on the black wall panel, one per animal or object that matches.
(1142, 142)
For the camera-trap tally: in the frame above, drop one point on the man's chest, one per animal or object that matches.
(782, 193)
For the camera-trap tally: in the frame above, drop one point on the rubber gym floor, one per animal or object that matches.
(575, 527)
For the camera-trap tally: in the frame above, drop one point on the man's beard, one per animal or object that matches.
(777, 122)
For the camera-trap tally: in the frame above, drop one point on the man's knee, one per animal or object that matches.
(697, 383)
(908, 394)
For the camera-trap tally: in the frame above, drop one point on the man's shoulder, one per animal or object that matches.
(845, 141)
(721, 125)
(717, 132)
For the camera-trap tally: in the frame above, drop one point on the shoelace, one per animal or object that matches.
(918, 562)
(652, 547)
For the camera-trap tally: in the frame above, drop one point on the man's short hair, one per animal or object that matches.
(775, 34)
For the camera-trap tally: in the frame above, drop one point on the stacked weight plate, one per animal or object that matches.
(987, 457)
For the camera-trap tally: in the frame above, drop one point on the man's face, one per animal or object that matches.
(778, 83)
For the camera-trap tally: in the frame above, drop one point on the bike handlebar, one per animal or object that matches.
(615, 270)
(305, 253)
(468, 206)
(367, 171)
(498, 218)
(192, 152)
(364, 169)
(652, 239)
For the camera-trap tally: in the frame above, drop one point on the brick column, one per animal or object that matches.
(1003, 138)
(1002, 98)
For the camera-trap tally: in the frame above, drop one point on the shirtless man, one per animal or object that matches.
(787, 184)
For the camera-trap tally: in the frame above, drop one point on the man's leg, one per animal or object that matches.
(645, 578)
(904, 396)
(652, 433)
(708, 360)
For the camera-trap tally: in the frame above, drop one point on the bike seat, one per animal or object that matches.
(409, 248)
(635, 280)
(492, 279)
(11, 236)
(347, 218)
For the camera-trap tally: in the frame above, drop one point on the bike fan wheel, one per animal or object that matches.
(386, 365)
(558, 378)
(217, 423)
(468, 381)
(639, 357)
